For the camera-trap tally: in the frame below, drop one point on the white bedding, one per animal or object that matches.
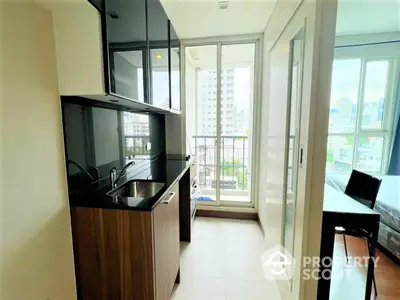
(387, 202)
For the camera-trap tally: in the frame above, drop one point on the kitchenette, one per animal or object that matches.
(126, 228)
(131, 189)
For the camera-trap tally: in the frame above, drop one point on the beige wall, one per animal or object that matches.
(36, 247)
(78, 42)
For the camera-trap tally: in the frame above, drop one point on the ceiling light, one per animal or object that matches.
(223, 4)
(158, 57)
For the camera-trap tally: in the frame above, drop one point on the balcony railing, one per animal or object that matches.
(136, 145)
(234, 162)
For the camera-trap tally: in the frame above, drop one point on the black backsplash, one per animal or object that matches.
(98, 139)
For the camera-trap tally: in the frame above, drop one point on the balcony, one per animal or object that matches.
(234, 167)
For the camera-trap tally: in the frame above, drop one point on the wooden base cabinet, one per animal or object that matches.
(166, 239)
(127, 255)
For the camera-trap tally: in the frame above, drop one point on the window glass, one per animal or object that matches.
(369, 154)
(127, 74)
(352, 139)
(160, 77)
(344, 95)
(374, 94)
(339, 157)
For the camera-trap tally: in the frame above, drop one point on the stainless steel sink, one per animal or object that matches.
(141, 189)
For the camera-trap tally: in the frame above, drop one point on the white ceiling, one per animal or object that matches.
(205, 57)
(367, 16)
(204, 18)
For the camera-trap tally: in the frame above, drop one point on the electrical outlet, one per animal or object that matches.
(148, 146)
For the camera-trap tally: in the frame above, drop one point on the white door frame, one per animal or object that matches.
(256, 109)
(319, 17)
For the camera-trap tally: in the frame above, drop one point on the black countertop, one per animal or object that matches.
(167, 171)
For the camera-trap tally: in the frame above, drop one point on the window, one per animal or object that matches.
(360, 115)
(374, 94)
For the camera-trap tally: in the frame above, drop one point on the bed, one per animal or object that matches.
(387, 204)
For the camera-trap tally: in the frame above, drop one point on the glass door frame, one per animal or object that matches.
(254, 138)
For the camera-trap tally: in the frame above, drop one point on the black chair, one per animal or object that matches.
(364, 189)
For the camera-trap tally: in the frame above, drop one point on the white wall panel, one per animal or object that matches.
(318, 18)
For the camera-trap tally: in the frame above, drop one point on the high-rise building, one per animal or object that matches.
(208, 122)
(136, 125)
(136, 131)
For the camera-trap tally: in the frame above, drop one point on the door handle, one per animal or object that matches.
(171, 196)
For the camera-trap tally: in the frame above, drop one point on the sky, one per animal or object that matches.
(346, 79)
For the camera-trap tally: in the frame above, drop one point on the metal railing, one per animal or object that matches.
(234, 161)
(136, 145)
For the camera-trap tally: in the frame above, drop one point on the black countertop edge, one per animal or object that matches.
(98, 198)
(168, 188)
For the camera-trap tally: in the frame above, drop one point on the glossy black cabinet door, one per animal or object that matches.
(175, 69)
(126, 33)
(157, 22)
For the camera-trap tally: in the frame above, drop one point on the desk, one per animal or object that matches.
(341, 210)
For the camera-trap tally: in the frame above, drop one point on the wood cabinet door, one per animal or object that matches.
(173, 238)
(113, 254)
(161, 256)
(166, 243)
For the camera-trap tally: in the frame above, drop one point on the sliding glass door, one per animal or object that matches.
(201, 121)
(219, 94)
(237, 86)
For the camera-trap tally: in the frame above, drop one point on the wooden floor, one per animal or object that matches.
(352, 285)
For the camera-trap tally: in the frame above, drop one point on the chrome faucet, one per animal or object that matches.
(113, 174)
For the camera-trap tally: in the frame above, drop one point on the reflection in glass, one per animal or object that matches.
(157, 31)
(175, 79)
(292, 139)
(137, 135)
(98, 139)
(160, 77)
(127, 74)
(126, 37)
(175, 69)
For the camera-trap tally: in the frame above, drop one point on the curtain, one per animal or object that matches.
(394, 162)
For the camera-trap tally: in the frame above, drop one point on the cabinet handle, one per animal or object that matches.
(171, 196)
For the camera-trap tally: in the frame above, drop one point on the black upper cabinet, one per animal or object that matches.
(157, 28)
(175, 63)
(141, 51)
(127, 48)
